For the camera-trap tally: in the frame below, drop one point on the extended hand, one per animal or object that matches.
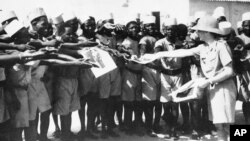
(23, 47)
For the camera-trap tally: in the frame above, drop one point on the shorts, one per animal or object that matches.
(104, 86)
(20, 112)
(67, 99)
(87, 82)
(150, 84)
(169, 83)
(115, 83)
(38, 98)
(4, 113)
(131, 86)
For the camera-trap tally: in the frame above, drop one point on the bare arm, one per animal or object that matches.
(21, 47)
(56, 62)
(176, 53)
(70, 52)
(7, 59)
(78, 45)
(171, 54)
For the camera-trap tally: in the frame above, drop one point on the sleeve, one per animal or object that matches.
(143, 41)
(225, 54)
(196, 51)
(159, 44)
(125, 44)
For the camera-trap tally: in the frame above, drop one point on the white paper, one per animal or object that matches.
(101, 58)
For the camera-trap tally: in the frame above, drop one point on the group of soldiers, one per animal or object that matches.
(44, 71)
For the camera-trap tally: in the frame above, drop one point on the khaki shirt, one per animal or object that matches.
(214, 57)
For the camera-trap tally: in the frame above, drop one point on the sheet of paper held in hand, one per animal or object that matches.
(100, 58)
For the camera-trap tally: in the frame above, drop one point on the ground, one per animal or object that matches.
(76, 127)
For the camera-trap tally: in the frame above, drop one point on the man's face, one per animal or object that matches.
(72, 24)
(150, 28)
(89, 27)
(246, 28)
(133, 30)
(170, 31)
(22, 36)
(41, 26)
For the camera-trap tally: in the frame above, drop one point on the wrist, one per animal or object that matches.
(20, 56)
(16, 47)
(211, 82)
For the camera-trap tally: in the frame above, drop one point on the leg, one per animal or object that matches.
(148, 111)
(65, 126)
(222, 135)
(158, 110)
(110, 116)
(57, 133)
(5, 130)
(81, 114)
(138, 108)
(175, 115)
(92, 111)
(185, 114)
(246, 111)
(103, 112)
(31, 131)
(16, 134)
(128, 109)
(195, 108)
(44, 126)
(167, 114)
(119, 110)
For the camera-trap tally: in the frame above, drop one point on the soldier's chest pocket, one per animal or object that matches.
(209, 59)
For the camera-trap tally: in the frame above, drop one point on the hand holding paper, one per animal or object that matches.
(196, 93)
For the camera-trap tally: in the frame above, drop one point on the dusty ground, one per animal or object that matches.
(76, 127)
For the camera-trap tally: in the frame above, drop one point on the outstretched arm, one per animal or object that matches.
(20, 47)
(57, 62)
(171, 54)
(177, 53)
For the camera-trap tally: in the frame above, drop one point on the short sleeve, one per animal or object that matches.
(196, 51)
(143, 41)
(159, 44)
(125, 44)
(225, 53)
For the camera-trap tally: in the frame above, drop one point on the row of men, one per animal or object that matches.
(66, 83)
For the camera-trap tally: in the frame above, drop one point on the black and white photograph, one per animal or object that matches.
(124, 70)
